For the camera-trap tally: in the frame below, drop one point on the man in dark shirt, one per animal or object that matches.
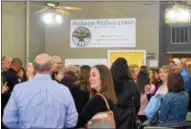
(11, 78)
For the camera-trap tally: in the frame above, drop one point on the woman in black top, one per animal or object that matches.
(127, 94)
(81, 89)
(101, 82)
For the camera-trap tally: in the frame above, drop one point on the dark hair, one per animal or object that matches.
(16, 61)
(142, 81)
(156, 70)
(152, 80)
(85, 72)
(107, 87)
(144, 68)
(24, 78)
(175, 82)
(83, 83)
(120, 70)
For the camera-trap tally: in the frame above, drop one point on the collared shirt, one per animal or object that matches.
(187, 82)
(40, 103)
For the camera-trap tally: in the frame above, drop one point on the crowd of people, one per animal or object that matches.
(47, 94)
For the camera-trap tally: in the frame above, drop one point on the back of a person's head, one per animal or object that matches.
(43, 63)
(85, 72)
(142, 81)
(144, 68)
(120, 70)
(16, 62)
(175, 82)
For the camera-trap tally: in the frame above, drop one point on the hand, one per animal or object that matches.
(5, 88)
(59, 76)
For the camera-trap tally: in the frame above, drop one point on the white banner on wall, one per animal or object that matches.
(103, 33)
(85, 61)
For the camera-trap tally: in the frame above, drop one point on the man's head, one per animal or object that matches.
(57, 63)
(43, 64)
(70, 68)
(6, 63)
(16, 64)
(172, 66)
(179, 65)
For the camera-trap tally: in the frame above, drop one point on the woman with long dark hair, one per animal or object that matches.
(81, 89)
(127, 94)
(22, 75)
(142, 84)
(101, 83)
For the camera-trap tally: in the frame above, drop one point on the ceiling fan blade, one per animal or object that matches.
(42, 10)
(63, 12)
(71, 8)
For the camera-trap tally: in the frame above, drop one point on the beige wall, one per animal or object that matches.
(147, 36)
(56, 40)
(13, 30)
(37, 31)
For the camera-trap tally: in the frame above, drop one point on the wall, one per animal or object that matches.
(13, 30)
(57, 40)
(37, 31)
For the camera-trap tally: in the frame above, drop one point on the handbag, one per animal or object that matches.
(102, 119)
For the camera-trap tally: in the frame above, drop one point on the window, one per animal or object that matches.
(180, 35)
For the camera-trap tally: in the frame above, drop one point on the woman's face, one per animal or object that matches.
(135, 73)
(151, 74)
(95, 81)
(157, 77)
(163, 75)
(21, 74)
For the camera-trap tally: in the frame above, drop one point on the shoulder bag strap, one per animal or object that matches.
(106, 102)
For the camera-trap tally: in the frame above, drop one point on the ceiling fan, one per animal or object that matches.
(55, 7)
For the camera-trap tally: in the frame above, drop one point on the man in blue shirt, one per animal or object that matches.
(180, 67)
(41, 102)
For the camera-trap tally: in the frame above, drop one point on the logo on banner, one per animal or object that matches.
(81, 36)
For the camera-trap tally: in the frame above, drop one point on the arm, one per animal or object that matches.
(10, 117)
(165, 107)
(187, 85)
(95, 104)
(71, 113)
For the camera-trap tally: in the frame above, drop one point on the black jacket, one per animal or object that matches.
(128, 104)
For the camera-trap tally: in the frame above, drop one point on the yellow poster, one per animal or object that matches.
(137, 57)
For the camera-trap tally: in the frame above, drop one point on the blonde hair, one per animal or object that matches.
(56, 59)
(132, 67)
(166, 69)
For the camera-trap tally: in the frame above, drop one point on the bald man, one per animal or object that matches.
(41, 102)
(180, 67)
(5, 63)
